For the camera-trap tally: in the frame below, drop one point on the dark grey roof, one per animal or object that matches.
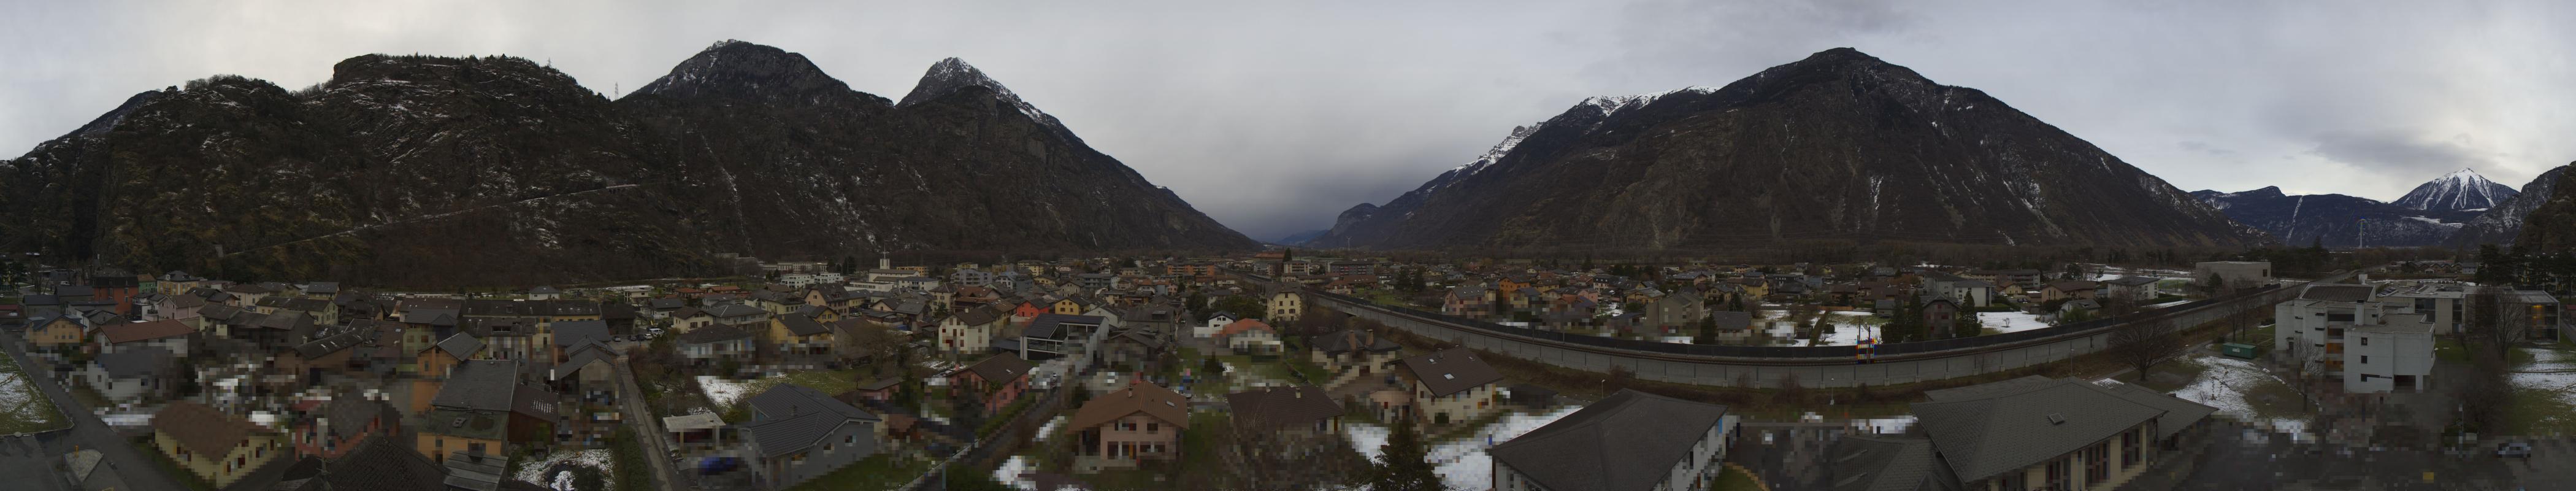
(2133, 281)
(475, 471)
(780, 436)
(713, 334)
(802, 326)
(1628, 441)
(334, 343)
(135, 362)
(1000, 368)
(460, 345)
(1271, 407)
(1451, 370)
(1047, 326)
(1989, 389)
(1732, 320)
(346, 416)
(481, 385)
(787, 400)
(383, 464)
(2179, 415)
(582, 355)
(1353, 339)
(2002, 430)
(572, 333)
(668, 303)
(734, 310)
(1867, 463)
(2337, 293)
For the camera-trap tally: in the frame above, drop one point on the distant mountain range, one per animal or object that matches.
(2461, 209)
(1840, 145)
(432, 171)
(1300, 238)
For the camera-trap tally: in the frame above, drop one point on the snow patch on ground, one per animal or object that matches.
(2223, 386)
(2010, 321)
(535, 471)
(2563, 380)
(1462, 463)
(723, 391)
(1010, 471)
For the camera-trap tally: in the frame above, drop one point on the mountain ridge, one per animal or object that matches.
(1615, 171)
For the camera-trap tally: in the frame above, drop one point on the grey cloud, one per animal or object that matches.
(2400, 154)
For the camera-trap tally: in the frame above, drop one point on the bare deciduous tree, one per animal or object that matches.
(2144, 344)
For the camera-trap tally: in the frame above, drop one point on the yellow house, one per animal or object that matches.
(212, 445)
(1286, 306)
(450, 431)
(796, 334)
(62, 331)
(1071, 306)
(1754, 287)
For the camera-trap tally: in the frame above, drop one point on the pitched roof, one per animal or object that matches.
(145, 331)
(2179, 415)
(137, 362)
(1049, 325)
(383, 464)
(1984, 433)
(460, 345)
(1867, 463)
(573, 333)
(1271, 407)
(480, 385)
(802, 325)
(2133, 281)
(1240, 326)
(582, 356)
(346, 416)
(202, 430)
(1153, 400)
(1000, 368)
(787, 400)
(1450, 371)
(1628, 441)
(713, 334)
(780, 436)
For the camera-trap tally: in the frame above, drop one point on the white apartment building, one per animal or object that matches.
(2345, 331)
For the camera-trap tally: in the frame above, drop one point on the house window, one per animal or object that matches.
(2365, 359)
(1153, 427)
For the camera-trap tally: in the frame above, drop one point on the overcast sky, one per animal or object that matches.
(1274, 116)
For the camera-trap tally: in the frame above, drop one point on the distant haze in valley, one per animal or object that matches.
(1272, 118)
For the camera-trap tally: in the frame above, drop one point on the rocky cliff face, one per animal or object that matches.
(2551, 226)
(430, 171)
(2503, 223)
(2334, 220)
(1840, 145)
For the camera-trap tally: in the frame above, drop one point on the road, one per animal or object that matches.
(648, 428)
(28, 465)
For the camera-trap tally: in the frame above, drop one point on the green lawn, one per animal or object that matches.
(24, 408)
(1734, 480)
(170, 467)
(627, 456)
(876, 473)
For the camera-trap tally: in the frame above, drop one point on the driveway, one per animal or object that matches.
(29, 461)
(648, 427)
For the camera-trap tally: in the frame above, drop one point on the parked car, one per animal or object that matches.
(2516, 450)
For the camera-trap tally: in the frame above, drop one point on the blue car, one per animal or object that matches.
(718, 465)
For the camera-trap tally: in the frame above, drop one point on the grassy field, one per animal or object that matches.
(24, 408)
(876, 473)
(2540, 412)
(1735, 480)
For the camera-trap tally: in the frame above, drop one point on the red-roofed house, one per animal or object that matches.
(1250, 337)
(166, 334)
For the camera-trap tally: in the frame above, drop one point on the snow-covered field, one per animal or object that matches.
(536, 471)
(2563, 381)
(1462, 463)
(22, 409)
(2223, 386)
(2010, 321)
(723, 391)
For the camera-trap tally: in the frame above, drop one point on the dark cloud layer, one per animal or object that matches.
(1273, 117)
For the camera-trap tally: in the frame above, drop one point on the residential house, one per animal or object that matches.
(216, 447)
(2063, 290)
(971, 331)
(1126, 426)
(2030, 433)
(797, 434)
(797, 335)
(1286, 306)
(59, 332)
(713, 345)
(1215, 322)
(1300, 410)
(1630, 441)
(1678, 312)
(1354, 349)
(1250, 337)
(164, 334)
(480, 409)
(1447, 386)
(333, 428)
(143, 374)
(1057, 335)
(999, 380)
(2135, 291)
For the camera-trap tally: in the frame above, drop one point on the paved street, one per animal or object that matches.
(2243, 460)
(29, 465)
(648, 428)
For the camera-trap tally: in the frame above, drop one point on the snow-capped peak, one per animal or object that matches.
(952, 74)
(2459, 190)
